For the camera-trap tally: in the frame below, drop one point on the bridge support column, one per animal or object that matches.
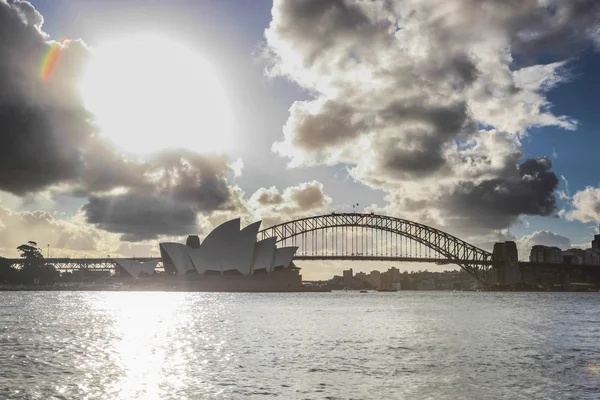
(506, 264)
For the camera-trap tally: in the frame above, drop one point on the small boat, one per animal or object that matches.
(364, 291)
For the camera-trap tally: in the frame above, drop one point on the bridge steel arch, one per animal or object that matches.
(470, 258)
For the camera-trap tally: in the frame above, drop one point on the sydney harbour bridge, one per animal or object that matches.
(350, 237)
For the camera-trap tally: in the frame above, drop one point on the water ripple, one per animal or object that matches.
(82, 345)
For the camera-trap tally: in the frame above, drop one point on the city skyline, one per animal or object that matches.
(407, 111)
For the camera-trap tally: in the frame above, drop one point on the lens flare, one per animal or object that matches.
(51, 59)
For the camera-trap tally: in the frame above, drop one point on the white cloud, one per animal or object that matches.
(237, 167)
(305, 199)
(64, 235)
(401, 88)
(545, 238)
(585, 206)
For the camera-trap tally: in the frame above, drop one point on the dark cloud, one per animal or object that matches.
(401, 162)
(177, 184)
(497, 203)
(43, 125)
(140, 217)
(268, 197)
(47, 136)
(422, 99)
(564, 28)
(420, 152)
(308, 196)
(305, 199)
(333, 123)
(49, 140)
(191, 178)
(318, 25)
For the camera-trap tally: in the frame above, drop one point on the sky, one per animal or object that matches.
(125, 123)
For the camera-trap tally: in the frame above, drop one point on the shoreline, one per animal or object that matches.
(102, 288)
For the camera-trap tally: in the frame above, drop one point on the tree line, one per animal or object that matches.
(34, 270)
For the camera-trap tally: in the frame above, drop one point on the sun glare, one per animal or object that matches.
(150, 93)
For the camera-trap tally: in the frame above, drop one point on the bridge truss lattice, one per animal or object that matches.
(356, 236)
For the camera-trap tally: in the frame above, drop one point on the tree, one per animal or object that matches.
(47, 274)
(32, 255)
(8, 274)
(33, 261)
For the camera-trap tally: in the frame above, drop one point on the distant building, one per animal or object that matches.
(361, 276)
(546, 254)
(374, 279)
(348, 277)
(537, 254)
(596, 243)
(393, 275)
(581, 257)
(553, 255)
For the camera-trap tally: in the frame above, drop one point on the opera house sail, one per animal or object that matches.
(230, 252)
(135, 268)
(264, 255)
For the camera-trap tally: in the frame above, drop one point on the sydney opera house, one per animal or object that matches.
(229, 258)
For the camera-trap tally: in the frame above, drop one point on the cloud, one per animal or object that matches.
(472, 208)
(544, 238)
(48, 137)
(497, 203)
(237, 166)
(172, 188)
(303, 200)
(140, 217)
(49, 142)
(45, 128)
(63, 235)
(428, 99)
(585, 206)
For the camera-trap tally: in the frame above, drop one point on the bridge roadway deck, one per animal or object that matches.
(109, 263)
(77, 263)
(392, 258)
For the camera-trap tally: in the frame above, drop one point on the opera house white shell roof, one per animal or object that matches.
(136, 268)
(227, 248)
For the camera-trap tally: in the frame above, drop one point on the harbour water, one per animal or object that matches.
(339, 345)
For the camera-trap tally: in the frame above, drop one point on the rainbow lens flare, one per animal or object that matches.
(51, 60)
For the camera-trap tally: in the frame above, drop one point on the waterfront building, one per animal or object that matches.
(230, 251)
(394, 275)
(553, 255)
(596, 243)
(581, 257)
(361, 276)
(546, 254)
(375, 279)
(536, 254)
(348, 277)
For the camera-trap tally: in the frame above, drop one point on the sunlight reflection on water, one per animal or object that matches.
(314, 345)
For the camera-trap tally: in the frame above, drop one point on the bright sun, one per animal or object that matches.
(151, 93)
